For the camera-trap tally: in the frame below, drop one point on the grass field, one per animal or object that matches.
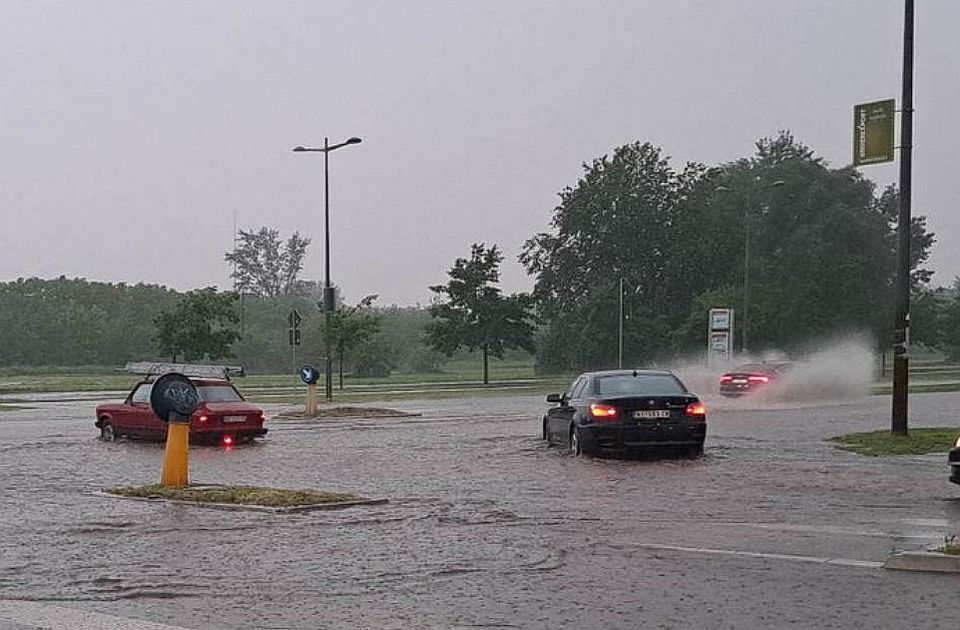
(459, 377)
(884, 443)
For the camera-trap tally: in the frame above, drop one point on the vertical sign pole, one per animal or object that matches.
(311, 399)
(901, 360)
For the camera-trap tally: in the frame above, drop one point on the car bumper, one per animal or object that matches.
(240, 433)
(954, 459)
(637, 437)
(737, 390)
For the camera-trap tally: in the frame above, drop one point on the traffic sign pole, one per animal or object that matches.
(311, 399)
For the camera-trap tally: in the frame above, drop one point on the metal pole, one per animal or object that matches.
(746, 268)
(620, 331)
(327, 287)
(901, 360)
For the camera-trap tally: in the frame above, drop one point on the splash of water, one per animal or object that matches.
(835, 369)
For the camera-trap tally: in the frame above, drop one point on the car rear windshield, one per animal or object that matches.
(218, 394)
(639, 385)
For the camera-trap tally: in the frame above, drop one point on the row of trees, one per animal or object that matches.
(822, 253)
(821, 260)
(817, 244)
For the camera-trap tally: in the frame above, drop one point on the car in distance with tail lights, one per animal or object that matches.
(623, 411)
(223, 415)
(751, 377)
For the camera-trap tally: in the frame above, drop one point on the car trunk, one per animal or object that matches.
(650, 409)
(228, 417)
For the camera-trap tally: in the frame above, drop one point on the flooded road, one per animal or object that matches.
(486, 527)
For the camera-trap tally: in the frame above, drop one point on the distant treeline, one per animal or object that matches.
(73, 322)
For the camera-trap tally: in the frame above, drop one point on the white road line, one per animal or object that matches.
(43, 616)
(848, 562)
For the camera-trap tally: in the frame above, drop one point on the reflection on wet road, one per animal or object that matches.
(486, 527)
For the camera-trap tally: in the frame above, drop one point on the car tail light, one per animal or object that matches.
(697, 411)
(203, 418)
(604, 412)
(726, 378)
(228, 440)
(758, 379)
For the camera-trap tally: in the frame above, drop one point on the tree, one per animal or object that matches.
(821, 254)
(471, 312)
(266, 267)
(619, 221)
(352, 326)
(200, 327)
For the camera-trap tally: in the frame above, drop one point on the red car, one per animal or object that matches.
(750, 377)
(222, 416)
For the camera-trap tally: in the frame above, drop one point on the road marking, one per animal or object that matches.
(847, 562)
(42, 616)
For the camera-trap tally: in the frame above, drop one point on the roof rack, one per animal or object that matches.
(148, 368)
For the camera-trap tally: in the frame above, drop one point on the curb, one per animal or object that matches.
(928, 561)
(248, 506)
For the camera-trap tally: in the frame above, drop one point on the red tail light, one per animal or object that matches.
(203, 418)
(604, 412)
(697, 411)
(726, 378)
(758, 379)
(228, 440)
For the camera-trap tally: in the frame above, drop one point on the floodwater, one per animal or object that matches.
(486, 527)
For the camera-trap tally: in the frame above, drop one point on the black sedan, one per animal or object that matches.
(954, 459)
(619, 411)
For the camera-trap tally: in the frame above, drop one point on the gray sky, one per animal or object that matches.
(134, 132)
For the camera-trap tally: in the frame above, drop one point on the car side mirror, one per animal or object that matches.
(554, 398)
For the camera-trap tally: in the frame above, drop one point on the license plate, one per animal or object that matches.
(234, 418)
(656, 413)
(739, 381)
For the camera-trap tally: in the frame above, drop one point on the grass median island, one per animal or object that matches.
(235, 495)
(884, 443)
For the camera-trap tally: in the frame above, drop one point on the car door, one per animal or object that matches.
(140, 415)
(559, 417)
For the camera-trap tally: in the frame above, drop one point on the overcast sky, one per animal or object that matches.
(133, 133)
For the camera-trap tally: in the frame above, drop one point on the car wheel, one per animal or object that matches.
(107, 432)
(695, 451)
(576, 448)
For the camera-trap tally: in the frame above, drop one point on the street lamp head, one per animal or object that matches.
(354, 140)
(721, 189)
(298, 149)
(778, 183)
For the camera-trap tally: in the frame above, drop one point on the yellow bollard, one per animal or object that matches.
(175, 456)
(311, 399)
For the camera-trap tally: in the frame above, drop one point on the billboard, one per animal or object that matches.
(873, 132)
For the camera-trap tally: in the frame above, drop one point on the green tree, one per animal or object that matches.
(266, 267)
(821, 253)
(822, 245)
(352, 326)
(619, 221)
(202, 326)
(471, 311)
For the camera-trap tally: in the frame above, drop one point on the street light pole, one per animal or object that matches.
(328, 298)
(748, 207)
(746, 270)
(620, 332)
(901, 360)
